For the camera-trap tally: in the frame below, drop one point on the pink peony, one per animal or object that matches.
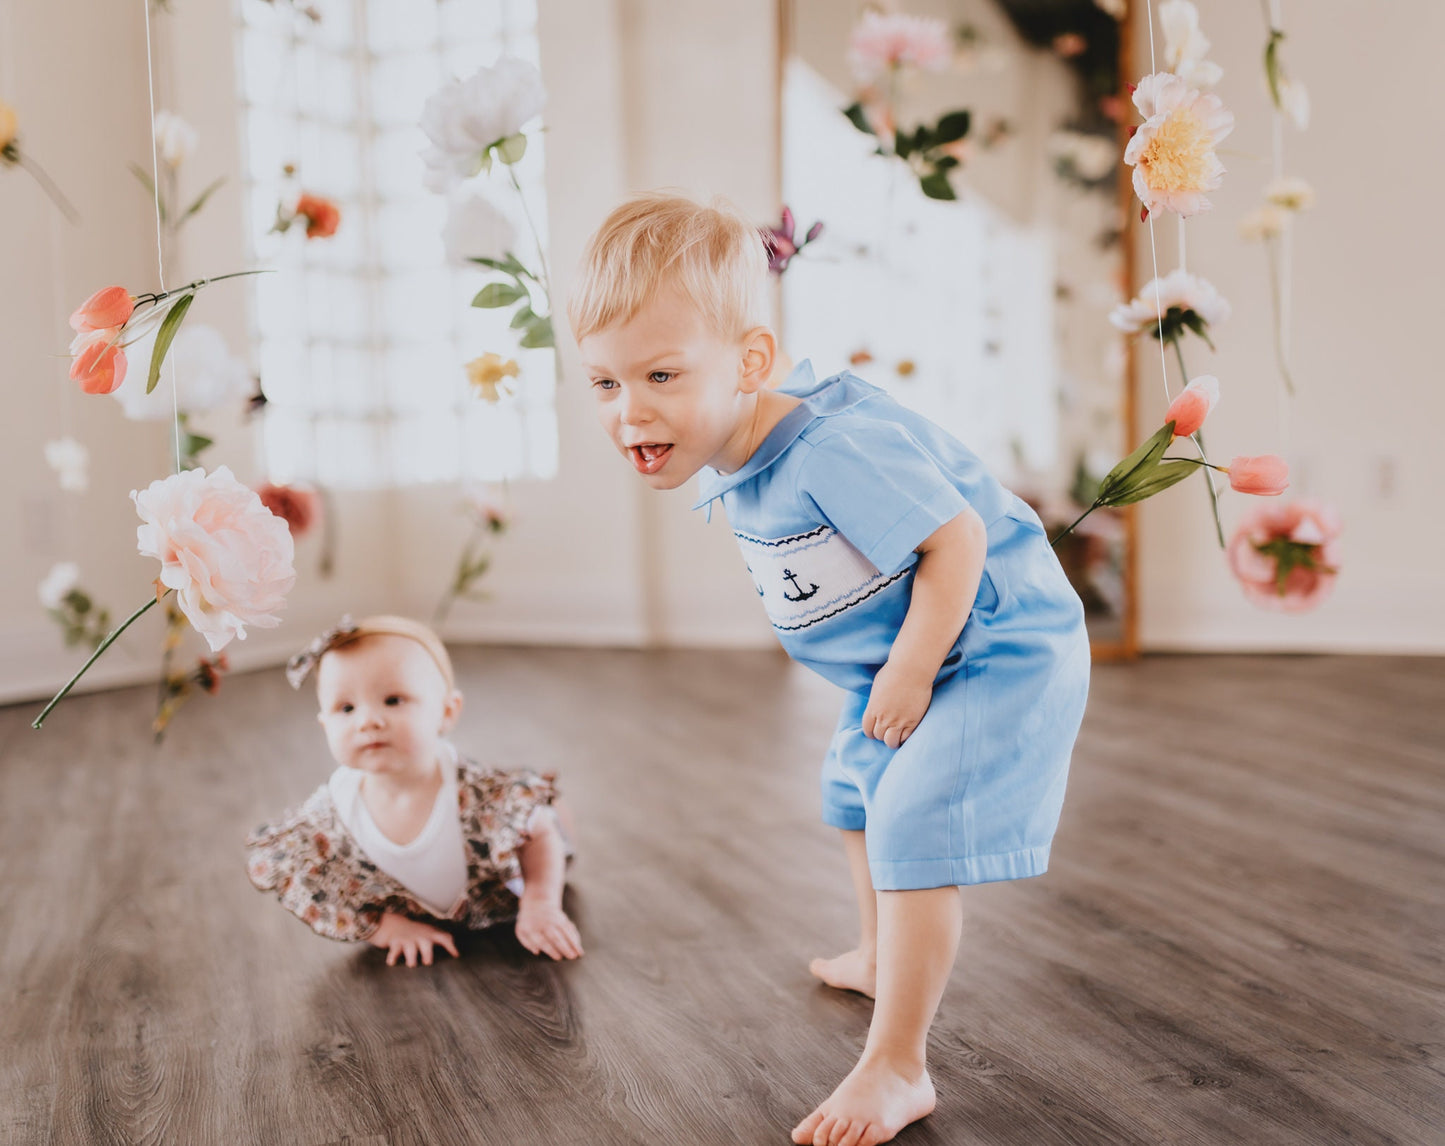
(1266, 475)
(1285, 556)
(228, 558)
(107, 308)
(885, 40)
(1193, 405)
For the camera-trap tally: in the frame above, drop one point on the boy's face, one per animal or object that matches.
(673, 394)
(384, 704)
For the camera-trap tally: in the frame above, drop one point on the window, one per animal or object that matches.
(363, 337)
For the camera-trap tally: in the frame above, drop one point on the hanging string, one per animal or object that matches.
(1153, 246)
(1286, 254)
(160, 247)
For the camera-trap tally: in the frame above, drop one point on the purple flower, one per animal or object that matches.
(782, 245)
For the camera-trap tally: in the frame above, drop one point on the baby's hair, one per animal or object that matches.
(711, 253)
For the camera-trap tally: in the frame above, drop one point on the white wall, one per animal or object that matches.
(644, 93)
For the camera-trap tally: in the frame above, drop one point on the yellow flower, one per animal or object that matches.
(9, 125)
(486, 374)
(1172, 153)
(1290, 193)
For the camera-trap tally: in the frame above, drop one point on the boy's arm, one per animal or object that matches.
(945, 584)
(542, 925)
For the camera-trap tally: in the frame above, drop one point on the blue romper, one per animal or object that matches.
(828, 512)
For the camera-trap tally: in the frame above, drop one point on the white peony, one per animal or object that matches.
(1185, 46)
(175, 138)
(1290, 193)
(476, 229)
(1176, 289)
(70, 461)
(1172, 152)
(62, 578)
(468, 117)
(207, 375)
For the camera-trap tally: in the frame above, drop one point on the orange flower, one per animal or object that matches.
(298, 506)
(99, 364)
(107, 307)
(1192, 406)
(1266, 475)
(322, 216)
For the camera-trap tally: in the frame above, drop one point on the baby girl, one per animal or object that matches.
(407, 839)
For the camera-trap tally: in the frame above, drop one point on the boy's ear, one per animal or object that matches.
(451, 710)
(760, 349)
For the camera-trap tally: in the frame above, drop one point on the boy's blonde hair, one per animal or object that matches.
(659, 238)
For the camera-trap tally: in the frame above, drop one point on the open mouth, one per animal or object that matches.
(649, 457)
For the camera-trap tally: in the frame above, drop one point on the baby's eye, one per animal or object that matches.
(661, 376)
(393, 701)
(347, 708)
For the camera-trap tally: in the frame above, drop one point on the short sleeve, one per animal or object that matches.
(876, 485)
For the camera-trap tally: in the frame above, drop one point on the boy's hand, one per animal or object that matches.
(896, 704)
(544, 927)
(402, 935)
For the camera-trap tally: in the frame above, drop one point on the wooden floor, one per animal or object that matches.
(1241, 940)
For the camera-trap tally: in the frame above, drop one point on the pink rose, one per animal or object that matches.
(1285, 557)
(228, 558)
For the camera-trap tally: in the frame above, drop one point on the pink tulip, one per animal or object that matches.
(1266, 475)
(1303, 535)
(1193, 405)
(99, 364)
(107, 308)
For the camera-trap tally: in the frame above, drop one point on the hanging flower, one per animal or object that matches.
(208, 376)
(1184, 301)
(70, 461)
(1263, 223)
(98, 363)
(781, 244)
(1082, 156)
(884, 40)
(1285, 557)
(476, 229)
(228, 558)
(1265, 476)
(1185, 46)
(488, 373)
(9, 129)
(1172, 152)
(469, 120)
(1193, 405)
(63, 577)
(175, 138)
(107, 309)
(488, 510)
(298, 506)
(1290, 193)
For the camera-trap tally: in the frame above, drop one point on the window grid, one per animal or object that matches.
(363, 337)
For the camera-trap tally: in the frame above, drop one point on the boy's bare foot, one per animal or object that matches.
(871, 1105)
(850, 971)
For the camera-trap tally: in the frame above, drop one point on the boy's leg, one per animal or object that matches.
(856, 970)
(918, 934)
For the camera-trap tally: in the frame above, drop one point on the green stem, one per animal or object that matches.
(154, 298)
(1272, 253)
(1198, 439)
(536, 236)
(105, 644)
(1076, 521)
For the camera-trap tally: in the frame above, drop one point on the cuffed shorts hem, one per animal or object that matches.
(915, 875)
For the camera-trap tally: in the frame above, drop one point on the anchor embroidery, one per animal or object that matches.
(803, 594)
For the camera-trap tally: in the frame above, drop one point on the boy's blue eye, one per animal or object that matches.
(660, 376)
(605, 384)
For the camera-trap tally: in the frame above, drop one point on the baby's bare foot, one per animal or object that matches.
(870, 1106)
(852, 971)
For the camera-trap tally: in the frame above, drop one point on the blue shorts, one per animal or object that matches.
(974, 794)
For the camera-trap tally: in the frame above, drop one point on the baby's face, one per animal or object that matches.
(672, 393)
(384, 704)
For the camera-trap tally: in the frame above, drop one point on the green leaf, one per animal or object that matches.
(937, 186)
(1198, 325)
(494, 295)
(1144, 458)
(511, 149)
(165, 336)
(539, 334)
(1159, 479)
(201, 200)
(1271, 66)
(193, 444)
(145, 181)
(854, 112)
(902, 144)
(524, 317)
(952, 127)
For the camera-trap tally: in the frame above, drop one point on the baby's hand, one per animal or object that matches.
(544, 926)
(402, 935)
(896, 705)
